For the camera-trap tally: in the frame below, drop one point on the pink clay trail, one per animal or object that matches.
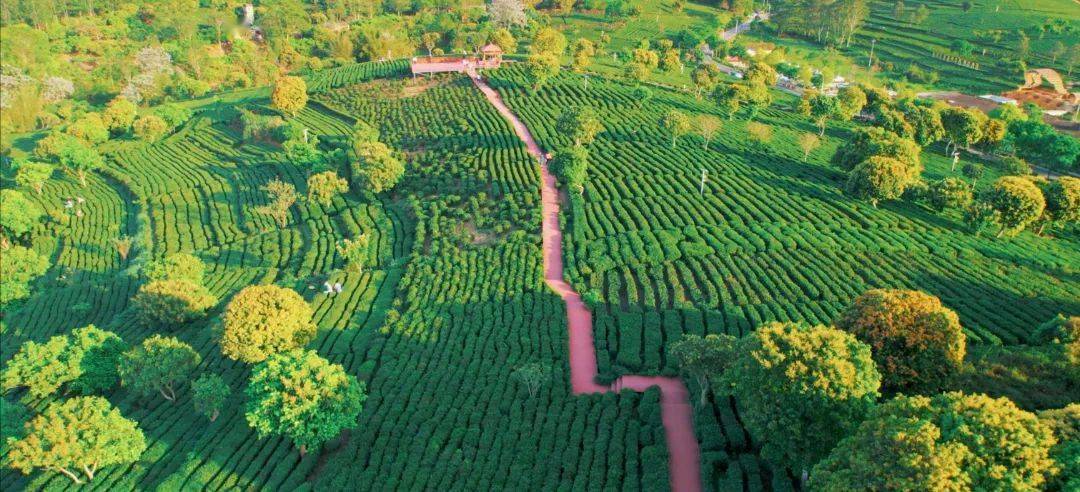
(677, 414)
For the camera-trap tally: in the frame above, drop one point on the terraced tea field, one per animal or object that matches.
(771, 238)
(452, 303)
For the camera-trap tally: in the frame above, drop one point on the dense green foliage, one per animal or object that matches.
(917, 343)
(800, 389)
(302, 397)
(75, 437)
(262, 320)
(947, 442)
(158, 365)
(83, 361)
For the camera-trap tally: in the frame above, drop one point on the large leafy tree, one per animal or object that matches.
(324, 186)
(579, 123)
(1018, 203)
(677, 124)
(78, 159)
(262, 320)
(878, 178)
(18, 214)
(917, 342)
(18, 267)
(1063, 200)
(703, 358)
(963, 126)
(949, 193)
(289, 95)
(951, 441)
(77, 436)
(33, 175)
(542, 67)
(820, 108)
(119, 115)
(172, 303)
(84, 360)
(1065, 424)
(800, 389)
(303, 397)
(873, 141)
(571, 166)
(157, 365)
(376, 167)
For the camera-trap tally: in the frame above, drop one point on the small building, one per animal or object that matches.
(490, 57)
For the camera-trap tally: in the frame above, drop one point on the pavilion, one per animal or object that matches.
(490, 57)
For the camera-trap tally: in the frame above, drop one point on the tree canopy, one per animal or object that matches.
(302, 397)
(951, 441)
(917, 342)
(172, 303)
(157, 365)
(289, 95)
(799, 389)
(78, 435)
(18, 267)
(262, 320)
(84, 360)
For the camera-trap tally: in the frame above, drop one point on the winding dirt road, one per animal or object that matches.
(677, 413)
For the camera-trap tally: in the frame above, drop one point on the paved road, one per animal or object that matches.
(676, 411)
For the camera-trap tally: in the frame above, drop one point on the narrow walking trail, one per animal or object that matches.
(678, 418)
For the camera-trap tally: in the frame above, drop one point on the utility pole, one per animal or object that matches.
(870, 62)
(704, 176)
(586, 81)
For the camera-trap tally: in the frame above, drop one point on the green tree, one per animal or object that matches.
(708, 126)
(18, 267)
(916, 342)
(800, 389)
(579, 123)
(1063, 200)
(355, 252)
(208, 394)
(548, 40)
(151, 128)
(973, 172)
(703, 358)
(1065, 424)
(571, 166)
(324, 186)
(281, 197)
(878, 178)
(119, 115)
(262, 320)
(874, 141)
(504, 39)
(289, 95)
(963, 126)
(84, 361)
(951, 441)
(583, 50)
(532, 375)
(850, 101)
(1017, 201)
(77, 158)
(79, 434)
(542, 67)
(376, 168)
(18, 214)
(303, 398)
(159, 364)
(925, 122)
(949, 193)
(33, 175)
(677, 124)
(820, 108)
(172, 303)
(177, 266)
(705, 77)
(90, 128)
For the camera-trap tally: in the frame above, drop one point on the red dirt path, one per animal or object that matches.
(677, 414)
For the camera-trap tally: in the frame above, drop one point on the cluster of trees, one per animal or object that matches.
(292, 392)
(20, 216)
(829, 23)
(810, 395)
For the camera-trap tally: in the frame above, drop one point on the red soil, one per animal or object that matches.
(677, 414)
